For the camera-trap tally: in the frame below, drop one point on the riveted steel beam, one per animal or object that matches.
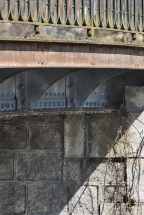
(24, 54)
(87, 80)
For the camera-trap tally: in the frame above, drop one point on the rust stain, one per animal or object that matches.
(26, 54)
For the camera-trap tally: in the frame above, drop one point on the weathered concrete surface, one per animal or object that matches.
(131, 142)
(102, 133)
(114, 193)
(46, 136)
(83, 200)
(57, 165)
(39, 167)
(113, 209)
(120, 209)
(74, 135)
(73, 170)
(135, 172)
(28, 54)
(13, 136)
(6, 166)
(12, 199)
(48, 199)
(103, 170)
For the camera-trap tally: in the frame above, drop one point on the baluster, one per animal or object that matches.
(125, 14)
(96, 13)
(65, 12)
(36, 11)
(128, 16)
(27, 10)
(71, 11)
(16, 10)
(79, 12)
(41, 10)
(87, 12)
(61, 11)
(103, 13)
(7, 9)
(122, 17)
(140, 15)
(92, 13)
(110, 13)
(136, 14)
(132, 14)
(46, 15)
(117, 14)
(53, 11)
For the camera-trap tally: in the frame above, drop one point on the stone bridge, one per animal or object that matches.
(71, 111)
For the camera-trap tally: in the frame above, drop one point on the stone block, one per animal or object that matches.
(114, 193)
(39, 166)
(6, 166)
(130, 144)
(120, 209)
(102, 134)
(102, 171)
(113, 209)
(48, 199)
(12, 199)
(13, 136)
(74, 135)
(136, 210)
(84, 200)
(73, 170)
(46, 136)
(135, 178)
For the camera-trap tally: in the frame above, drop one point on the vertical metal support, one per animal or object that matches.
(21, 91)
(38, 30)
(70, 91)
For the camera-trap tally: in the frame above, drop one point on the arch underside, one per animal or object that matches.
(61, 88)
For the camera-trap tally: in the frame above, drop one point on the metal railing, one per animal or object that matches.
(125, 15)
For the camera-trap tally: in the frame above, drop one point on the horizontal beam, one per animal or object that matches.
(31, 54)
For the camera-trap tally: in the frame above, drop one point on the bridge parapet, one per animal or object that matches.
(112, 15)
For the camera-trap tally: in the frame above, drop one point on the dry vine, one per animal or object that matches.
(127, 202)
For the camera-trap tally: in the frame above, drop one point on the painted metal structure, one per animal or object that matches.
(39, 74)
(127, 15)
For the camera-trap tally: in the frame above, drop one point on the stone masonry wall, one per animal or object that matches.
(55, 165)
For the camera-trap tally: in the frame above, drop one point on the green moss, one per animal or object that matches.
(130, 202)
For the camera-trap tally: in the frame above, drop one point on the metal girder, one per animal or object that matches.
(31, 54)
(88, 80)
(43, 89)
(110, 94)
